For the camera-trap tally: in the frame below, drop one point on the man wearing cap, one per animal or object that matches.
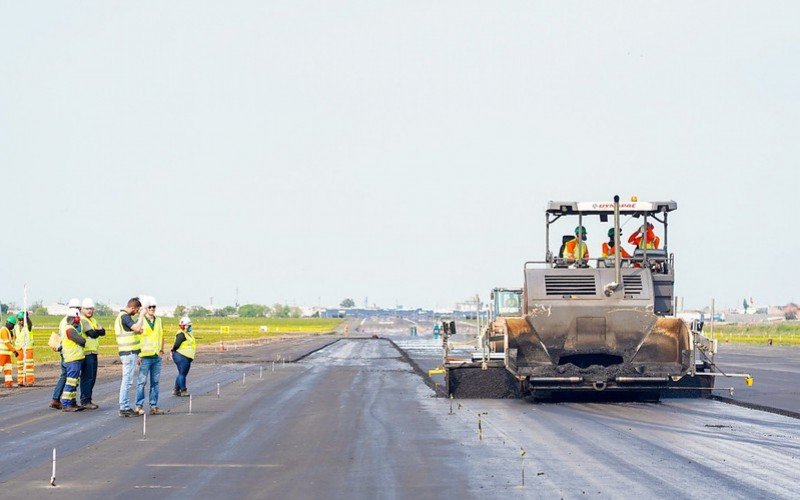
(183, 351)
(91, 331)
(7, 349)
(24, 344)
(72, 344)
(150, 358)
(55, 403)
(129, 342)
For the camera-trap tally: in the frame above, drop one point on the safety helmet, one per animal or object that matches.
(12, 319)
(74, 314)
(611, 232)
(74, 303)
(184, 322)
(87, 303)
(20, 315)
(580, 229)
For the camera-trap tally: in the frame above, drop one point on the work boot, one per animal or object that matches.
(56, 405)
(139, 410)
(176, 392)
(127, 412)
(185, 393)
(155, 411)
(90, 406)
(72, 408)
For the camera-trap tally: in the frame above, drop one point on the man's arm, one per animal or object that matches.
(179, 338)
(74, 336)
(128, 322)
(30, 323)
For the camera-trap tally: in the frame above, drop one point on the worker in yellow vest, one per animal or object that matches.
(72, 349)
(24, 343)
(150, 358)
(55, 404)
(7, 349)
(129, 344)
(575, 250)
(91, 331)
(183, 352)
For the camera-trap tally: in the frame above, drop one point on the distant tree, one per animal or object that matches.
(3, 308)
(199, 312)
(791, 315)
(180, 310)
(281, 311)
(225, 311)
(101, 309)
(295, 312)
(40, 311)
(252, 310)
(347, 303)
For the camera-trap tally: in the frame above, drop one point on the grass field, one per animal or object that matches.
(782, 334)
(206, 330)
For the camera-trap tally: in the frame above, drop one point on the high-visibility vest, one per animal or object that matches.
(608, 252)
(92, 345)
(649, 241)
(22, 334)
(127, 341)
(189, 346)
(6, 341)
(575, 251)
(152, 337)
(69, 349)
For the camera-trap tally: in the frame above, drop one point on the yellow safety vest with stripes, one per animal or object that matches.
(69, 349)
(6, 337)
(127, 341)
(92, 345)
(20, 335)
(189, 346)
(152, 337)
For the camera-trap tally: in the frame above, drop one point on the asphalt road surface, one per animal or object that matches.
(354, 420)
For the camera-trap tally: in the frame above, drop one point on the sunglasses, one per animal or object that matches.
(151, 307)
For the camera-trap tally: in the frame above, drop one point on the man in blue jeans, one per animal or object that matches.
(129, 342)
(62, 380)
(183, 352)
(150, 358)
(91, 331)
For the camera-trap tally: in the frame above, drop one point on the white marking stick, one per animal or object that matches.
(260, 372)
(217, 389)
(53, 477)
(243, 375)
(144, 426)
(190, 404)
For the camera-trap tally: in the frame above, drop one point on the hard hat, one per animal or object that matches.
(87, 303)
(12, 319)
(185, 321)
(611, 232)
(580, 229)
(21, 315)
(74, 313)
(74, 303)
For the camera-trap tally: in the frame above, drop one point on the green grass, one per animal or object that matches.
(787, 334)
(206, 330)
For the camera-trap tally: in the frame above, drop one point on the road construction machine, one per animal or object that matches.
(591, 325)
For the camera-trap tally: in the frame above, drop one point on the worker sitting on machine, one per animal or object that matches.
(649, 242)
(575, 250)
(608, 250)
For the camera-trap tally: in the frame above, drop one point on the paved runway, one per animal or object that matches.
(353, 420)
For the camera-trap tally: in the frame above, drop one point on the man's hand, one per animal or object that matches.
(138, 361)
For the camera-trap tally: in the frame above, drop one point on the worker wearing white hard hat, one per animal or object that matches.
(150, 358)
(183, 353)
(91, 331)
(72, 344)
(55, 403)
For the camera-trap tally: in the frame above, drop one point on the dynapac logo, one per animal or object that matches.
(610, 206)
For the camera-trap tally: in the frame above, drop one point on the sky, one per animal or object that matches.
(404, 152)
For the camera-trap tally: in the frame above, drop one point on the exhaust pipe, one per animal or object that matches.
(612, 287)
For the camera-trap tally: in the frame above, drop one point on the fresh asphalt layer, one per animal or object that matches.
(354, 420)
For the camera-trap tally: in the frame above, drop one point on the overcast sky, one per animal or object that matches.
(402, 151)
